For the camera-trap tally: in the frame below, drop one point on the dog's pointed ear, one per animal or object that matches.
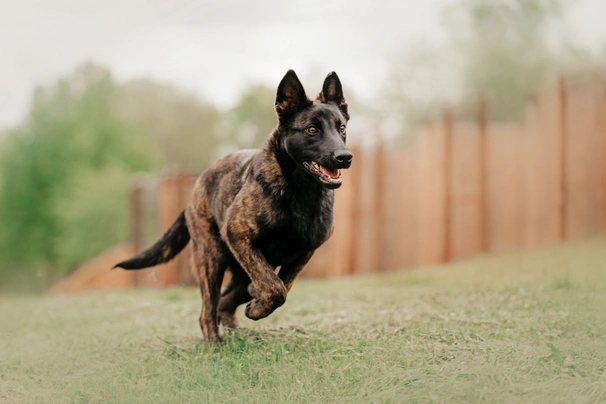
(332, 91)
(291, 96)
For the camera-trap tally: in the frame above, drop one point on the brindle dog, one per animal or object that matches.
(256, 210)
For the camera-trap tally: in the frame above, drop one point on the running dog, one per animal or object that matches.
(255, 211)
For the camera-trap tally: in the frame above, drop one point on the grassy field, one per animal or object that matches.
(524, 327)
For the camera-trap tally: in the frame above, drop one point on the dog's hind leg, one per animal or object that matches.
(235, 294)
(211, 268)
(209, 260)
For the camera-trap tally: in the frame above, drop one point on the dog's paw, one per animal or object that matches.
(257, 309)
(213, 338)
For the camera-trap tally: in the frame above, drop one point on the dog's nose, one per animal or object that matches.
(344, 157)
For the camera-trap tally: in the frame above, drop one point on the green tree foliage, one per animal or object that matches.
(71, 129)
(185, 131)
(66, 171)
(419, 85)
(502, 50)
(253, 117)
(510, 50)
(92, 214)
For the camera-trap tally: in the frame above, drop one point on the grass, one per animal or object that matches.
(523, 327)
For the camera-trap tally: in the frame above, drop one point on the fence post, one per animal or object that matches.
(378, 205)
(167, 213)
(563, 163)
(604, 158)
(447, 128)
(135, 229)
(181, 261)
(354, 211)
(136, 218)
(483, 177)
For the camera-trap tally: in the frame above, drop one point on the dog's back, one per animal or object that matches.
(220, 183)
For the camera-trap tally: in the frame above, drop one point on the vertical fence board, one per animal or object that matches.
(603, 148)
(365, 254)
(550, 142)
(531, 177)
(447, 128)
(185, 186)
(392, 232)
(431, 199)
(563, 160)
(378, 208)
(505, 196)
(399, 247)
(465, 206)
(483, 175)
(585, 162)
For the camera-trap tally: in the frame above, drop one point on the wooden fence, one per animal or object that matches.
(462, 188)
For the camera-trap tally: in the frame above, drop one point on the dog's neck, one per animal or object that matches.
(279, 171)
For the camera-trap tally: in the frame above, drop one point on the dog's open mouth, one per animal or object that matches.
(325, 175)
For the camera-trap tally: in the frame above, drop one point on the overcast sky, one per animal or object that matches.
(213, 48)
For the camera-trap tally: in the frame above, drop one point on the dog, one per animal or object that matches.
(255, 211)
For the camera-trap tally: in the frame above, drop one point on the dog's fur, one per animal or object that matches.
(256, 210)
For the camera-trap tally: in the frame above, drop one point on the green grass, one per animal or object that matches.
(524, 327)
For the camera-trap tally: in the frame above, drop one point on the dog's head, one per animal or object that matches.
(314, 132)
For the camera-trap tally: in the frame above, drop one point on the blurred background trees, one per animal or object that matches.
(182, 129)
(252, 118)
(504, 51)
(507, 51)
(70, 140)
(65, 173)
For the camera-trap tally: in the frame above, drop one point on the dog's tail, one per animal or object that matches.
(165, 249)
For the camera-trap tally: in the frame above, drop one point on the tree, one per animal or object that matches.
(253, 118)
(71, 129)
(502, 50)
(419, 85)
(185, 131)
(507, 55)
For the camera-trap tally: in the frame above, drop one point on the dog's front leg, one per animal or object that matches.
(270, 292)
(288, 273)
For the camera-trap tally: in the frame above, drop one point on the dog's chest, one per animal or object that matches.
(298, 231)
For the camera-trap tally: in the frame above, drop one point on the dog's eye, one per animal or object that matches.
(342, 128)
(312, 130)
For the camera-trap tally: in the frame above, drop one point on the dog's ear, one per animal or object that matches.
(333, 92)
(291, 96)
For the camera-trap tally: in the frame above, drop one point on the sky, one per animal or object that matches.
(215, 48)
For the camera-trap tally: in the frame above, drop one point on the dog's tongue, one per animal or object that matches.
(330, 173)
